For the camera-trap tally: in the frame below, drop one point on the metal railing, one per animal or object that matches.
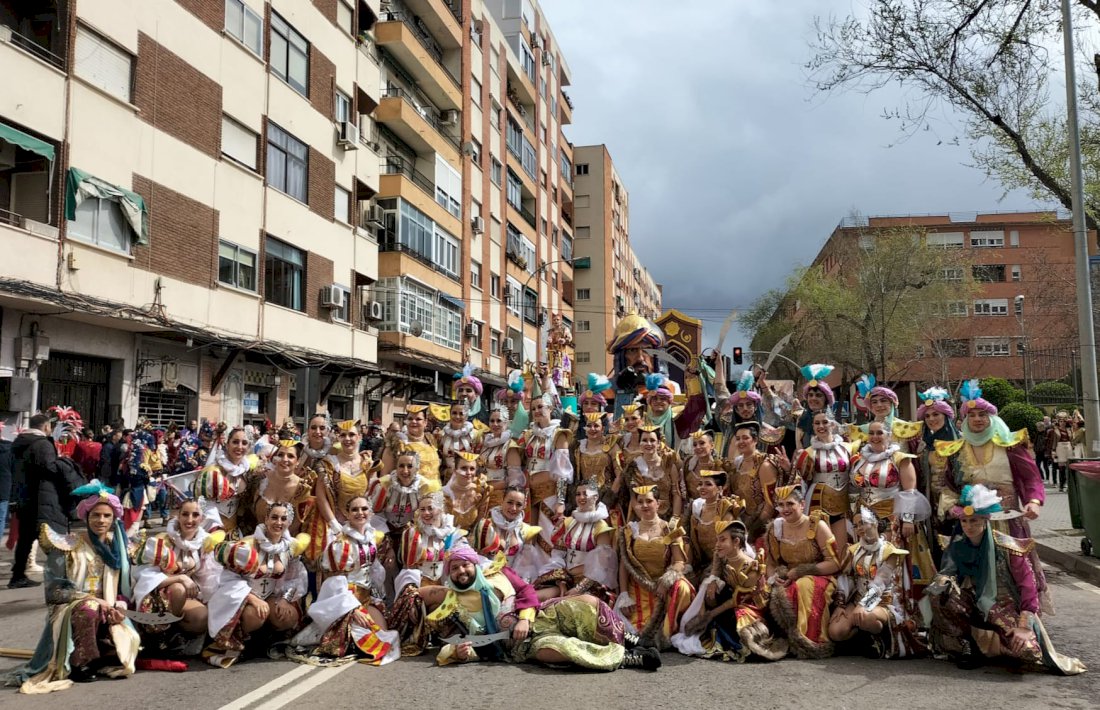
(424, 37)
(395, 165)
(428, 114)
(29, 45)
(568, 100)
(12, 219)
(390, 241)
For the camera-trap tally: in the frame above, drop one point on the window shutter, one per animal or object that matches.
(103, 64)
(238, 142)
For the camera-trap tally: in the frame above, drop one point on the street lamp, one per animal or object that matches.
(1025, 349)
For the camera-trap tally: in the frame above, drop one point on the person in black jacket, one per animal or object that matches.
(45, 480)
(6, 465)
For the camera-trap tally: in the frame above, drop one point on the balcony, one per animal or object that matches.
(442, 19)
(37, 99)
(401, 179)
(415, 49)
(397, 166)
(566, 109)
(418, 126)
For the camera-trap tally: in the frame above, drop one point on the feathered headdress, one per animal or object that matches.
(597, 385)
(977, 500)
(934, 399)
(972, 399)
(466, 377)
(94, 493)
(515, 387)
(745, 384)
(655, 385)
(815, 379)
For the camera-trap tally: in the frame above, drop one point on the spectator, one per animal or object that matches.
(45, 481)
(5, 483)
(373, 441)
(108, 456)
(1042, 448)
(86, 455)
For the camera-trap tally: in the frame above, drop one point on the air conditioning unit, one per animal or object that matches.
(473, 330)
(535, 43)
(348, 135)
(373, 214)
(333, 297)
(509, 345)
(546, 61)
(374, 311)
(449, 117)
(478, 224)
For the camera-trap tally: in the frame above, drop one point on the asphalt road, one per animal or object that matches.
(681, 683)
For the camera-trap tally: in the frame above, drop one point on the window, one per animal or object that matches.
(103, 65)
(513, 135)
(101, 222)
(527, 60)
(1018, 305)
(545, 181)
(567, 168)
(582, 168)
(287, 162)
(494, 115)
(530, 308)
(951, 347)
(289, 55)
(988, 273)
(284, 275)
(987, 239)
(236, 266)
(515, 190)
(951, 308)
(919, 352)
(951, 274)
(449, 325)
(475, 152)
(946, 240)
(494, 285)
(475, 91)
(584, 294)
(342, 205)
(584, 233)
(566, 247)
(583, 326)
(448, 186)
(494, 343)
(446, 253)
(342, 314)
(991, 347)
(544, 226)
(475, 274)
(1014, 238)
(514, 295)
(495, 171)
(345, 17)
(528, 159)
(238, 142)
(1016, 274)
(583, 201)
(991, 307)
(245, 25)
(342, 107)
(583, 356)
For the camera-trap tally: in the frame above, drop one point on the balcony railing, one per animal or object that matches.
(30, 46)
(527, 215)
(424, 37)
(568, 100)
(395, 165)
(428, 114)
(389, 241)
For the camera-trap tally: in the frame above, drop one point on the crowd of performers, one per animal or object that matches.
(523, 531)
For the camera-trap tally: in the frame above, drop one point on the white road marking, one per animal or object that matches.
(284, 698)
(268, 688)
(1085, 586)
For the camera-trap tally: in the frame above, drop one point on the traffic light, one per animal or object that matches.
(738, 356)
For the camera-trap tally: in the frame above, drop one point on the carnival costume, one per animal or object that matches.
(987, 596)
(426, 448)
(549, 471)
(639, 472)
(424, 549)
(815, 379)
(770, 437)
(494, 460)
(169, 554)
(583, 557)
(470, 504)
(84, 579)
(704, 521)
(601, 463)
(933, 465)
(526, 550)
(824, 466)
(757, 497)
(693, 464)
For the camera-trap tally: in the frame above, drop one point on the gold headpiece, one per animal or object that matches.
(650, 427)
(468, 455)
(289, 444)
(722, 525)
(785, 492)
(696, 435)
(593, 417)
(415, 408)
(643, 490)
(631, 408)
(709, 473)
(348, 425)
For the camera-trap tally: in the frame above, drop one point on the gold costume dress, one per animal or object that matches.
(824, 467)
(692, 467)
(545, 467)
(602, 465)
(472, 510)
(745, 483)
(701, 522)
(802, 607)
(493, 458)
(426, 448)
(639, 473)
(655, 617)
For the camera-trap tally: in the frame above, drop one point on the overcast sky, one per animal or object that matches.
(725, 148)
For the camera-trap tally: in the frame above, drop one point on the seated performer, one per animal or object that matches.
(177, 572)
(869, 593)
(579, 630)
(87, 583)
(583, 560)
(348, 614)
(261, 586)
(726, 620)
(985, 602)
(653, 592)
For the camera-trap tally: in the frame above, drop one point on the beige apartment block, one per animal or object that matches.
(618, 282)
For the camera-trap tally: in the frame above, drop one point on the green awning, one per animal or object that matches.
(26, 142)
(79, 186)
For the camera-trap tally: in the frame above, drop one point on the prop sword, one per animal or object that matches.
(776, 349)
(483, 640)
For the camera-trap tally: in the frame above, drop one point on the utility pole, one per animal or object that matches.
(1089, 387)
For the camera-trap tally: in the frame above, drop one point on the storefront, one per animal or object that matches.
(168, 375)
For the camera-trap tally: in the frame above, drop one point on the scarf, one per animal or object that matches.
(979, 563)
(997, 428)
(317, 453)
(233, 470)
(586, 517)
(490, 607)
(193, 545)
(875, 456)
(267, 546)
(947, 432)
(491, 442)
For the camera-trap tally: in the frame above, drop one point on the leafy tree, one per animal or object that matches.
(1053, 394)
(1000, 392)
(993, 62)
(1020, 415)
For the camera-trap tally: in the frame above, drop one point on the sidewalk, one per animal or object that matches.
(1059, 543)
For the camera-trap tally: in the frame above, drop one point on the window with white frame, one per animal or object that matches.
(1016, 273)
(991, 307)
(475, 274)
(342, 205)
(245, 25)
(986, 239)
(102, 223)
(951, 274)
(239, 143)
(407, 304)
(945, 240)
(289, 55)
(583, 326)
(992, 347)
(566, 246)
(448, 331)
(342, 107)
(236, 266)
(475, 91)
(584, 294)
(284, 274)
(494, 285)
(103, 64)
(527, 60)
(494, 343)
(514, 295)
(475, 152)
(287, 163)
(495, 170)
(1014, 238)
(448, 186)
(583, 356)
(446, 252)
(345, 16)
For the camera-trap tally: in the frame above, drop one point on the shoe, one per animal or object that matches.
(23, 583)
(83, 674)
(630, 640)
(35, 569)
(647, 659)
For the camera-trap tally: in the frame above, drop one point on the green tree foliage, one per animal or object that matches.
(994, 62)
(1020, 415)
(1000, 392)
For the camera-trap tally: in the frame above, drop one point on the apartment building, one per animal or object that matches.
(617, 282)
(1021, 321)
(183, 205)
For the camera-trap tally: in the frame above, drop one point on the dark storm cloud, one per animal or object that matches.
(737, 171)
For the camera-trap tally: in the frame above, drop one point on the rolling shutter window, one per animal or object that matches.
(102, 64)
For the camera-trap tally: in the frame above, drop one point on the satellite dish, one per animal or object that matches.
(416, 329)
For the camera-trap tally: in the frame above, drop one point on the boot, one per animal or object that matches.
(630, 640)
(32, 560)
(643, 658)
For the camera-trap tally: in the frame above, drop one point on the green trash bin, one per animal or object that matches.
(1072, 486)
(1088, 500)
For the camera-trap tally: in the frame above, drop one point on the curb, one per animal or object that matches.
(1085, 568)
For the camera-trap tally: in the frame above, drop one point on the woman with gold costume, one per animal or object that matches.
(337, 485)
(824, 466)
(597, 459)
(583, 560)
(630, 431)
(754, 478)
(702, 459)
(500, 457)
(285, 480)
(882, 403)
(415, 438)
(466, 496)
(705, 515)
(659, 466)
